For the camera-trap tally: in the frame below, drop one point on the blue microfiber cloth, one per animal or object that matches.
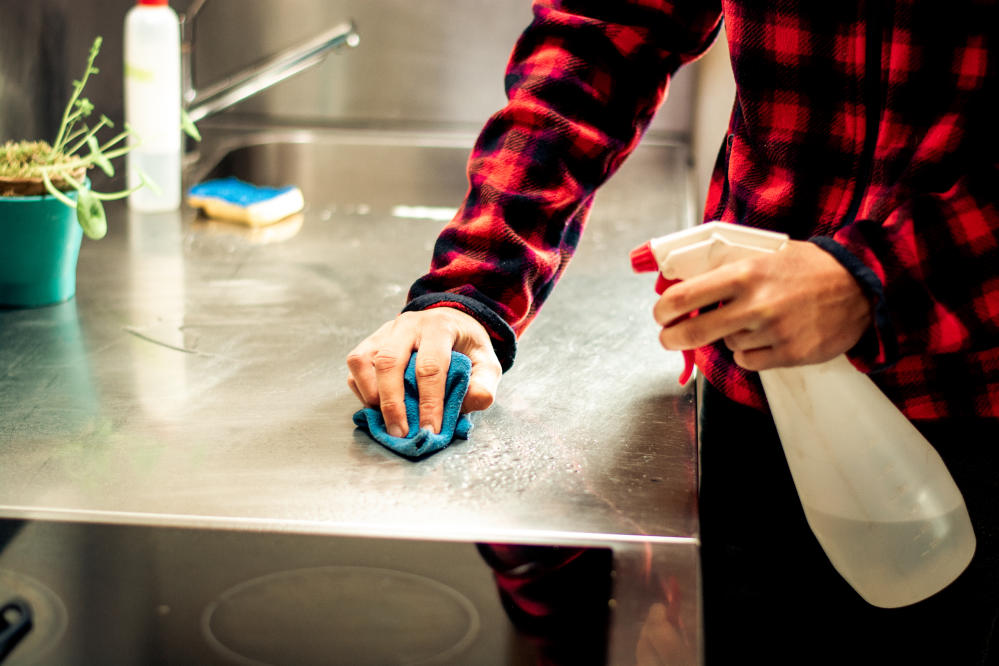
(421, 442)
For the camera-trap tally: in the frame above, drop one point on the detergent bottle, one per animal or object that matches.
(875, 493)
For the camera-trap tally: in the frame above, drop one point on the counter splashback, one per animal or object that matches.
(428, 62)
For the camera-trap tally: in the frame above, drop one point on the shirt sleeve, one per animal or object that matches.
(929, 268)
(583, 83)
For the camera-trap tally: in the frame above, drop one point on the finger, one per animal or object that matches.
(353, 387)
(749, 338)
(762, 358)
(433, 359)
(483, 381)
(716, 286)
(361, 369)
(707, 327)
(390, 366)
(361, 377)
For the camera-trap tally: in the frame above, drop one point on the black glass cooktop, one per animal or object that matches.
(87, 593)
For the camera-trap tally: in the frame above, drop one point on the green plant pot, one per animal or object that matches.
(39, 246)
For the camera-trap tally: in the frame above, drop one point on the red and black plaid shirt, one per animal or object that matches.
(868, 127)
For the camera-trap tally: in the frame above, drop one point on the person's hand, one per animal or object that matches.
(661, 642)
(797, 306)
(378, 363)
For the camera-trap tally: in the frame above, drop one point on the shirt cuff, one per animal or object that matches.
(878, 348)
(500, 333)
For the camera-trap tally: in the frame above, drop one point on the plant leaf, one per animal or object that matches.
(90, 214)
(150, 183)
(188, 126)
(85, 106)
(98, 158)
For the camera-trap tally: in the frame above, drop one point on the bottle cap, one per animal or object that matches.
(152, 2)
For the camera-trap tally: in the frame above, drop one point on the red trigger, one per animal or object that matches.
(662, 284)
(643, 260)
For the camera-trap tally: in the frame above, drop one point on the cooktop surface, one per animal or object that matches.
(94, 593)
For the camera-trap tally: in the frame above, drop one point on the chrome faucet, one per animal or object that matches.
(252, 80)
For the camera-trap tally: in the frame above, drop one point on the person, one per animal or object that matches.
(866, 131)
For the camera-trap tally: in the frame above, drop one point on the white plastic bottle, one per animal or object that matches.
(152, 103)
(877, 495)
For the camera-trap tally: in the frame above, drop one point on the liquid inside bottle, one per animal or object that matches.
(892, 564)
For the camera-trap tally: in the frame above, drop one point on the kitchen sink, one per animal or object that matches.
(375, 173)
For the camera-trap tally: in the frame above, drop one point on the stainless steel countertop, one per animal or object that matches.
(198, 377)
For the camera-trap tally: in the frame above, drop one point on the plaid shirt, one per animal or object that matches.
(866, 127)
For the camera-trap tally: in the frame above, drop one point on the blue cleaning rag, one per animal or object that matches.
(422, 442)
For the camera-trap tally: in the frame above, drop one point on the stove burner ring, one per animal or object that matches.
(49, 617)
(347, 614)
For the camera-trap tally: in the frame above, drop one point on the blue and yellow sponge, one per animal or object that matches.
(239, 201)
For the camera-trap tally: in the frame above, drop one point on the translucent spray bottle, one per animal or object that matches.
(875, 493)
(152, 104)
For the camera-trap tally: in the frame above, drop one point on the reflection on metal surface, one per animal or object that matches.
(358, 615)
(156, 313)
(276, 232)
(47, 377)
(665, 638)
(436, 213)
(558, 595)
(145, 594)
(49, 616)
(256, 78)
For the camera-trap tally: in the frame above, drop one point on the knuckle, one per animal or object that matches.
(428, 370)
(691, 335)
(356, 360)
(679, 297)
(385, 361)
(429, 406)
(747, 273)
(478, 399)
(449, 327)
(391, 406)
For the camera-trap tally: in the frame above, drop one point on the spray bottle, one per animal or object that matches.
(875, 493)
(152, 104)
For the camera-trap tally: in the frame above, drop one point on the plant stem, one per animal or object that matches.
(118, 139)
(79, 144)
(77, 89)
(82, 162)
(54, 191)
(103, 196)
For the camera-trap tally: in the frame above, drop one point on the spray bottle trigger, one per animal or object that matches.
(662, 284)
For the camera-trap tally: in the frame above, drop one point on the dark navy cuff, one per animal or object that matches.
(881, 341)
(500, 333)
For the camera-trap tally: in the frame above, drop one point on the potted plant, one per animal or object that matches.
(47, 203)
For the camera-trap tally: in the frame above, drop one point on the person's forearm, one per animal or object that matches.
(582, 87)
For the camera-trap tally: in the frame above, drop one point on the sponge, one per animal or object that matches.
(238, 201)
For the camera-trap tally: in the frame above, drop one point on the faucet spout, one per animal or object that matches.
(256, 78)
